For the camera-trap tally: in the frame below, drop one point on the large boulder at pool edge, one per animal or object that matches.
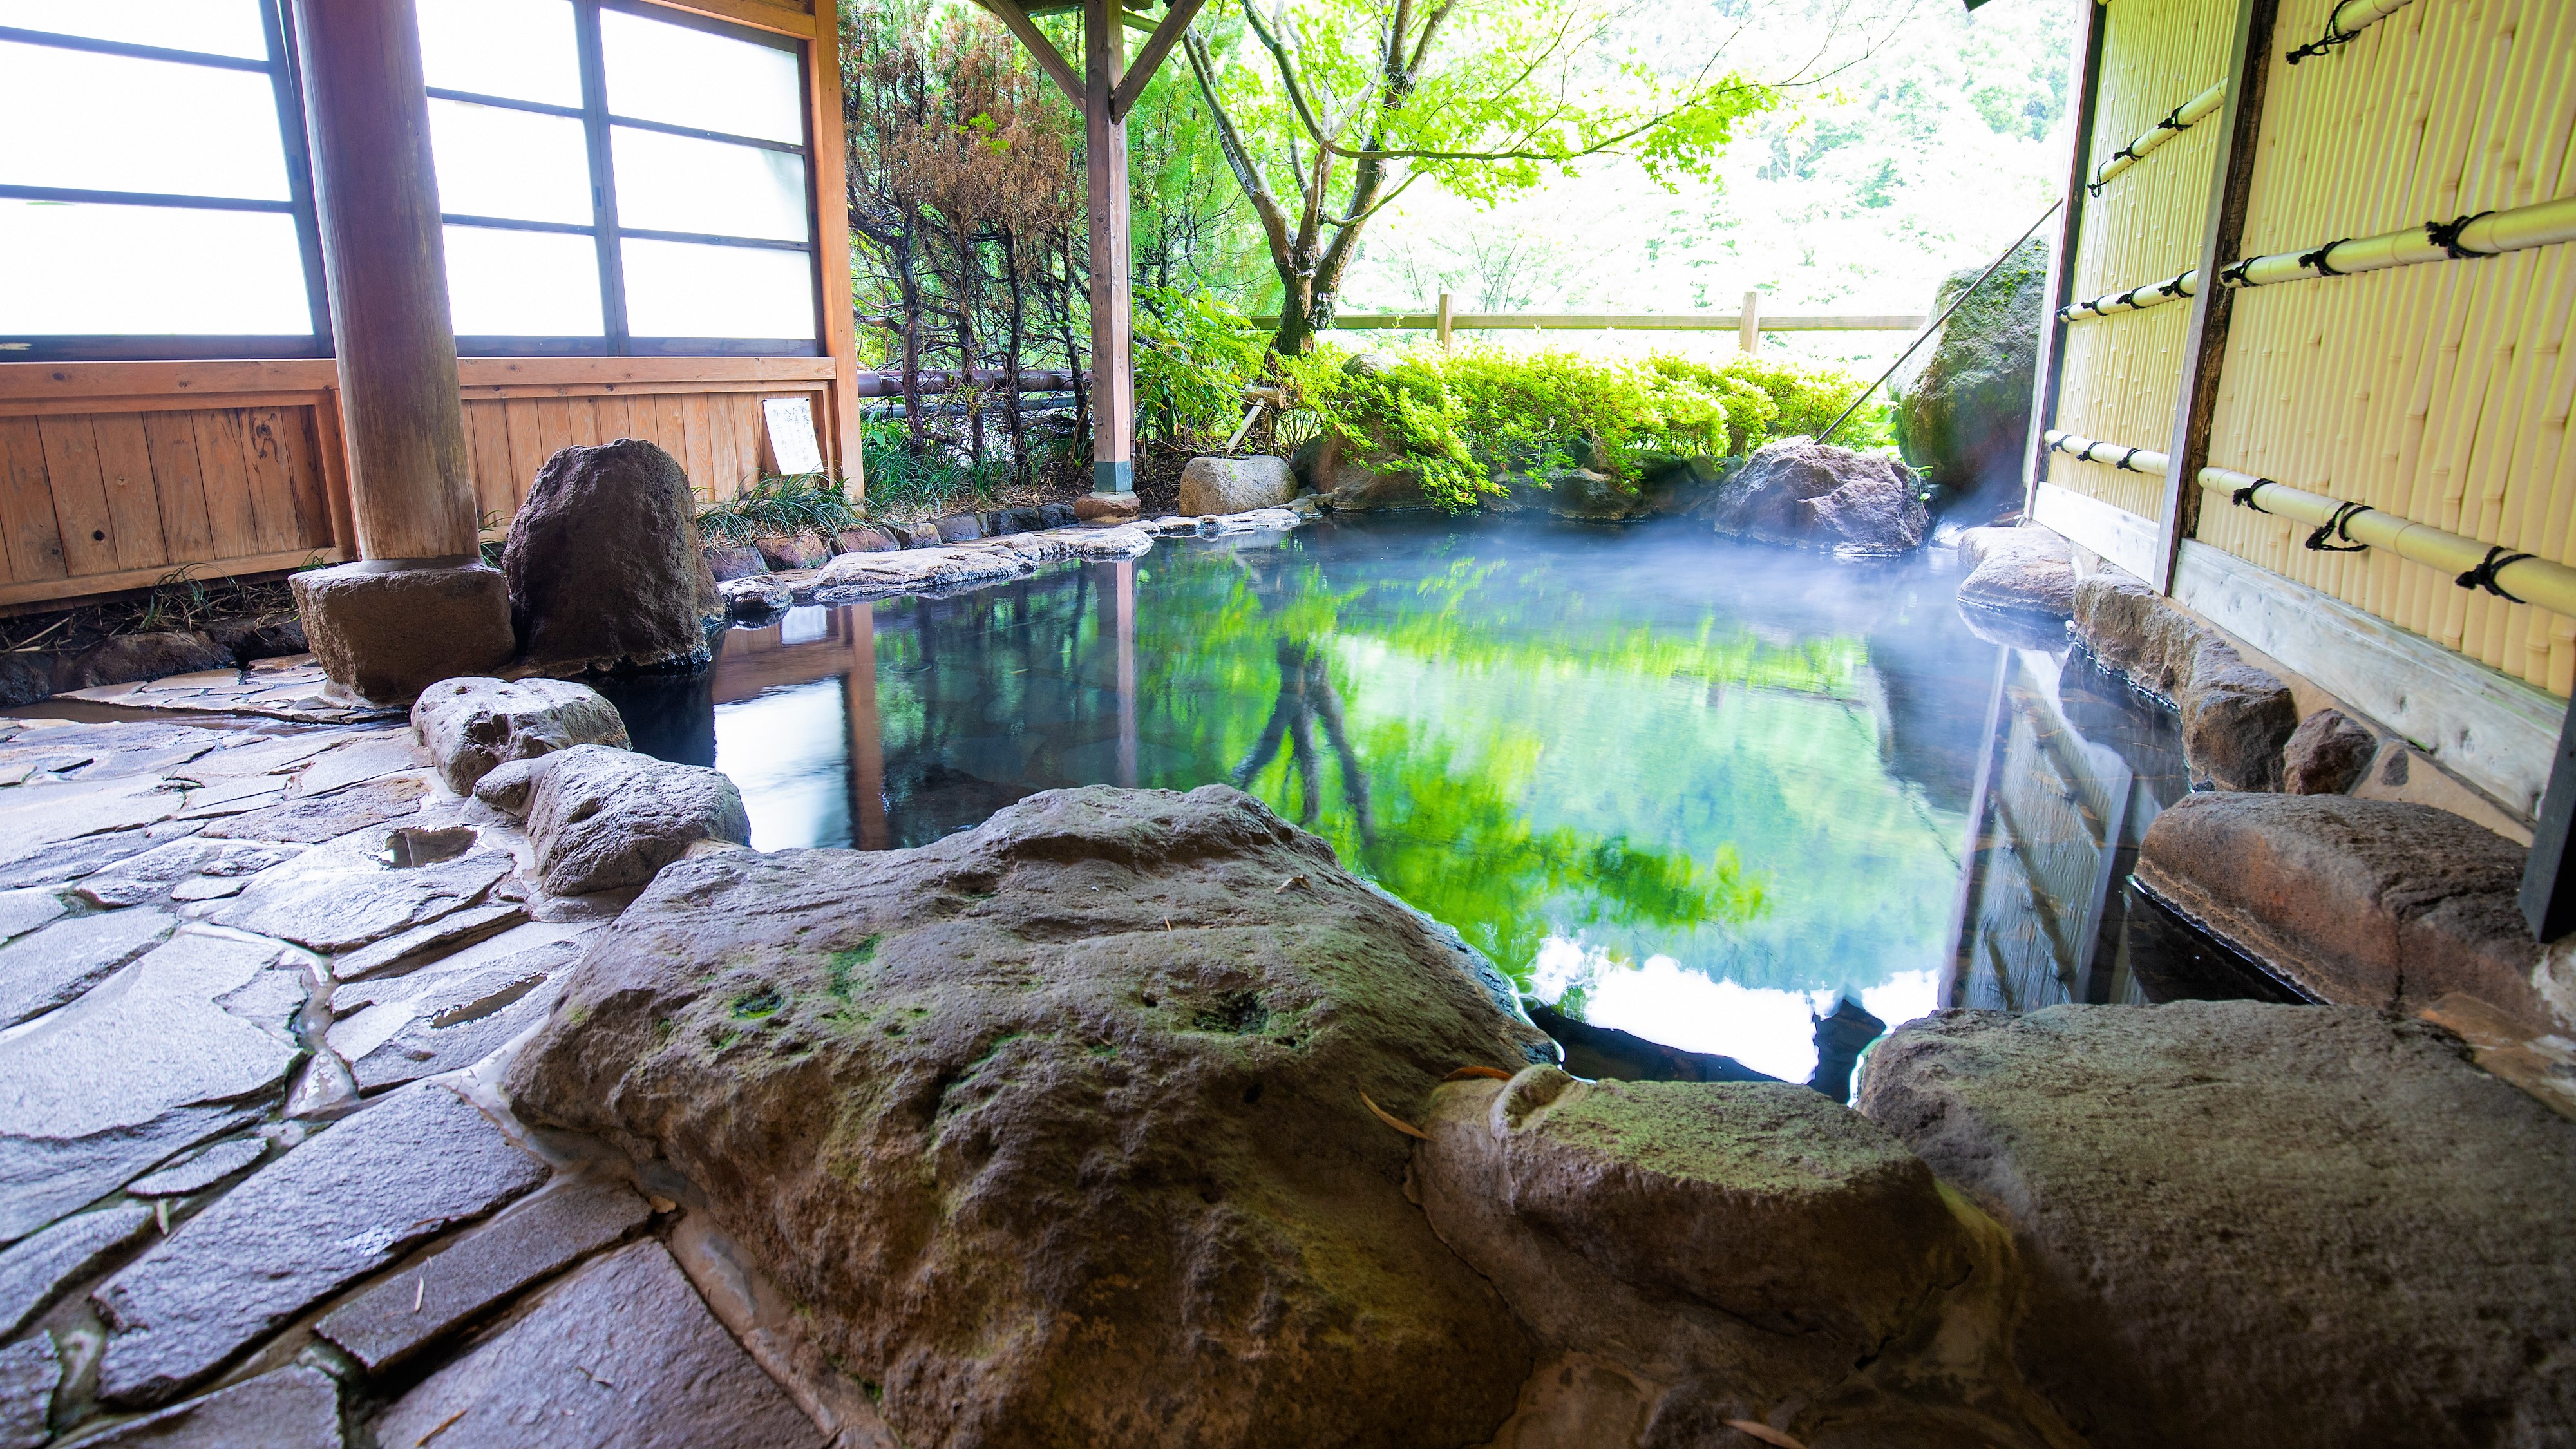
(1963, 412)
(1055, 1125)
(604, 563)
(1806, 494)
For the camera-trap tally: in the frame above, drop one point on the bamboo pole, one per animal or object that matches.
(2483, 234)
(2118, 455)
(2146, 143)
(2523, 577)
(2344, 22)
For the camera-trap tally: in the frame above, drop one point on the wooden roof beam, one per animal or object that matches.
(1150, 59)
(1040, 48)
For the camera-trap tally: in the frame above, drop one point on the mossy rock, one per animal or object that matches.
(1963, 412)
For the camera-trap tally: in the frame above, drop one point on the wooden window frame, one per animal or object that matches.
(285, 83)
(598, 121)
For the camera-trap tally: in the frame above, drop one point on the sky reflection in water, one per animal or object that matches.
(1691, 789)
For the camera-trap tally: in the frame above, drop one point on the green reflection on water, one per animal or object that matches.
(1523, 757)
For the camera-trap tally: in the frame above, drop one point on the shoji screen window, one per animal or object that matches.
(153, 196)
(620, 178)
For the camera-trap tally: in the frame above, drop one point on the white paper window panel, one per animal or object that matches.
(522, 283)
(685, 289)
(209, 27)
(79, 120)
(686, 77)
(80, 269)
(713, 188)
(493, 161)
(520, 50)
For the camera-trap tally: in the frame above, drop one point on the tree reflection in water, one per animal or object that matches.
(1681, 766)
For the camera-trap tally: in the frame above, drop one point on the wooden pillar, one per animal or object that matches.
(2050, 372)
(1117, 587)
(1113, 374)
(2204, 348)
(385, 260)
(832, 241)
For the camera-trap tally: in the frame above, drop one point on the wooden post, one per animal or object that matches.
(2204, 350)
(1748, 326)
(1113, 377)
(1445, 315)
(2050, 372)
(832, 241)
(384, 255)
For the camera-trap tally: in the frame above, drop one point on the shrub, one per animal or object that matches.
(779, 505)
(1194, 356)
(1465, 419)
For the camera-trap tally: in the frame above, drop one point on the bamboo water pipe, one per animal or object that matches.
(2345, 21)
(2480, 234)
(2093, 450)
(2350, 527)
(2346, 527)
(2179, 120)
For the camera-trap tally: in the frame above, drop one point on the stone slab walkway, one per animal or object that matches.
(254, 1188)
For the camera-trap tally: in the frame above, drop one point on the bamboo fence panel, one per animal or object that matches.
(2438, 393)
(2122, 373)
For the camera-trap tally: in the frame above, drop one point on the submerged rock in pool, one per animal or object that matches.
(1056, 1125)
(1813, 495)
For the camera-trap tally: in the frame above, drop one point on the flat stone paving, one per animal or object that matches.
(248, 1191)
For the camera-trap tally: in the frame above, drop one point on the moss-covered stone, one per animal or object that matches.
(1963, 407)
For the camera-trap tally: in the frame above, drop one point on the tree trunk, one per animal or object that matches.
(1011, 356)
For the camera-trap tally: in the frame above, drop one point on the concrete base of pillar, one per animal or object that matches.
(386, 629)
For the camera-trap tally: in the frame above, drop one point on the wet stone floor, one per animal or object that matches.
(211, 957)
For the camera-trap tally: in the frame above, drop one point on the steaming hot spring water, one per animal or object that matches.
(1699, 792)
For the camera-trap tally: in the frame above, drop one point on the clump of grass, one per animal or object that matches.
(776, 506)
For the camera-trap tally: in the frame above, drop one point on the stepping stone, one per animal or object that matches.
(420, 945)
(40, 814)
(58, 963)
(623, 1352)
(24, 911)
(29, 1372)
(341, 909)
(348, 998)
(345, 1204)
(57, 864)
(144, 877)
(293, 1408)
(201, 1171)
(2248, 1223)
(144, 1065)
(364, 758)
(34, 1273)
(458, 1021)
(536, 1237)
(327, 817)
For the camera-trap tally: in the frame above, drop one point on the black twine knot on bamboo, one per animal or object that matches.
(2336, 527)
(2234, 273)
(2123, 464)
(2335, 38)
(2173, 120)
(2245, 496)
(2317, 258)
(2484, 575)
(2446, 235)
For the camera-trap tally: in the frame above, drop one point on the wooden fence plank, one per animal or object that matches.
(584, 412)
(232, 518)
(35, 544)
(527, 455)
(300, 451)
(80, 496)
(125, 473)
(271, 454)
(487, 442)
(698, 454)
(554, 427)
(179, 480)
(616, 418)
